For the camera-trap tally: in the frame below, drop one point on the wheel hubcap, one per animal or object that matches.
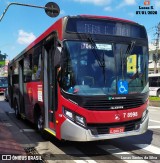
(40, 123)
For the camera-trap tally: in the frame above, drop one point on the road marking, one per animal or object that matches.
(6, 124)
(79, 161)
(11, 112)
(149, 148)
(123, 155)
(27, 130)
(153, 127)
(85, 161)
(153, 107)
(154, 121)
(74, 151)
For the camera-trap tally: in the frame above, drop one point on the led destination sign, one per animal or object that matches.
(105, 27)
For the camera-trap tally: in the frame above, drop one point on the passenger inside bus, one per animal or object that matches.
(96, 72)
(88, 70)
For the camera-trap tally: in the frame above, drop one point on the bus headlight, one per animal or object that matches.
(68, 114)
(78, 119)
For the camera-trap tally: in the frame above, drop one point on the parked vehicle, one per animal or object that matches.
(6, 95)
(3, 84)
(154, 84)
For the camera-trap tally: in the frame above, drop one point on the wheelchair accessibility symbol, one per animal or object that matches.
(122, 87)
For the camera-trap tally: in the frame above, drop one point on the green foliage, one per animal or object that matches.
(2, 63)
(151, 98)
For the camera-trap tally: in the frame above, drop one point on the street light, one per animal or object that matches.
(51, 8)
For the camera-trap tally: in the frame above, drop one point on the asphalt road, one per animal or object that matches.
(143, 148)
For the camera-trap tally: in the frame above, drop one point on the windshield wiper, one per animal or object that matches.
(129, 50)
(126, 54)
(100, 63)
(130, 47)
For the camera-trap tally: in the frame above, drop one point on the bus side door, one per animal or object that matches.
(49, 76)
(21, 89)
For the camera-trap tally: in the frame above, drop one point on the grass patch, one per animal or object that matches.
(151, 98)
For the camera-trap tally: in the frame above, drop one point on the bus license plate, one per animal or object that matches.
(116, 130)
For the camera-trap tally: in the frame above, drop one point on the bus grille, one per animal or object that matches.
(104, 128)
(104, 104)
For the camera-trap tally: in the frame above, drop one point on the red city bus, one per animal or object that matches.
(84, 79)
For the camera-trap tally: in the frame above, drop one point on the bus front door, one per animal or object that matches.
(49, 86)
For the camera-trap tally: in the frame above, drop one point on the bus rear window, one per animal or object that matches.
(105, 27)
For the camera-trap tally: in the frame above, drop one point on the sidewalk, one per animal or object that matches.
(154, 103)
(8, 144)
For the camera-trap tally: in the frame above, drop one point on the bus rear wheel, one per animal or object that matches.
(16, 110)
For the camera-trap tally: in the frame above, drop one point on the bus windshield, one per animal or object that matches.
(104, 68)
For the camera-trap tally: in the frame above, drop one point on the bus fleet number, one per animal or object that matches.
(130, 114)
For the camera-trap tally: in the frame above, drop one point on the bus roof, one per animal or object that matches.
(58, 27)
(108, 18)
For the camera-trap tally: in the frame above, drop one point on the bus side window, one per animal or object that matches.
(36, 72)
(154, 81)
(28, 68)
(15, 76)
(158, 82)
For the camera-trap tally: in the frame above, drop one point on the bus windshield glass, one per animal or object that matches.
(104, 68)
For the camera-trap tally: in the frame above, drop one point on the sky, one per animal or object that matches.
(21, 25)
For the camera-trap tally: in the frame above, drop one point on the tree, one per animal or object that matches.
(2, 58)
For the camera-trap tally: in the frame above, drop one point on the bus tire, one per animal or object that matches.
(16, 109)
(158, 93)
(38, 120)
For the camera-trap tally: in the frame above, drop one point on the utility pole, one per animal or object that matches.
(156, 55)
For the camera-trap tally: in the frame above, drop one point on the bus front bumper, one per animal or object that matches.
(73, 132)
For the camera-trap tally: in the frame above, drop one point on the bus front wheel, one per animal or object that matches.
(38, 121)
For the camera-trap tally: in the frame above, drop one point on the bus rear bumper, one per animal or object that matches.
(73, 132)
